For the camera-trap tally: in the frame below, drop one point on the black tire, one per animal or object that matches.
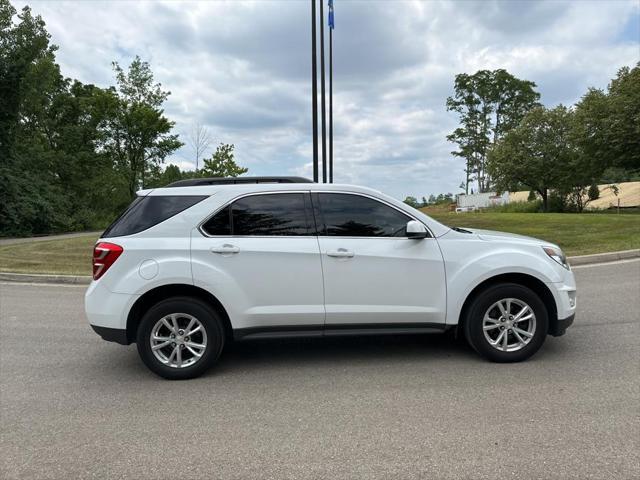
(473, 323)
(205, 314)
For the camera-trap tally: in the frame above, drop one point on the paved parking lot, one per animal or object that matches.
(73, 406)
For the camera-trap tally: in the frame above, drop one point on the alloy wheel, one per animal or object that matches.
(509, 325)
(178, 340)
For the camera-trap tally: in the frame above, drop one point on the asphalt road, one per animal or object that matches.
(73, 406)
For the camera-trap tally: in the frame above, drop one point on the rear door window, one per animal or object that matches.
(278, 214)
(148, 211)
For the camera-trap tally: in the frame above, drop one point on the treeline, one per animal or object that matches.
(509, 141)
(440, 199)
(72, 155)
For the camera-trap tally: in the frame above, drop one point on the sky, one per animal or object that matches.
(243, 69)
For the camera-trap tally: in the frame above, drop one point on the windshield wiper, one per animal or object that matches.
(461, 230)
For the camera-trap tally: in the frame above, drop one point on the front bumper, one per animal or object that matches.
(559, 327)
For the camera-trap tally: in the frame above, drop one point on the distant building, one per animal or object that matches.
(481, 200)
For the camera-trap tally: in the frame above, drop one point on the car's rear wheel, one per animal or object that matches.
(180, 338)
(506, 323)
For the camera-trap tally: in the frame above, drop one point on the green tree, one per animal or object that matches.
(577, 197)
(25, 57)
(472, 137)
(606, 135)
(489, 104)
(137, 134)
(623, 124)
(48, 134)
(222, 163)
(169, 175)
(619, 175)
(71, 155)
(537, 153)
(83, 171)
(412, 202)
(608, 123)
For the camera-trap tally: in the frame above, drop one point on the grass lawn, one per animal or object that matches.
(71, 256)
(577, 234)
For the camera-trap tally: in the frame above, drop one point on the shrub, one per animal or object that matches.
(517, 207)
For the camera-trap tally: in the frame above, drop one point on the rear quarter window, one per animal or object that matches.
(148, 211)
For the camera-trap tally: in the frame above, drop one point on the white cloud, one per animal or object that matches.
(243, 69)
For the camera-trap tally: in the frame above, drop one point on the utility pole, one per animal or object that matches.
(314, 90)
(331, 26)
(322, 97)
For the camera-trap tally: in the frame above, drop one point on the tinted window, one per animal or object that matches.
(264, 215)
(220, 223)
(274, 214)
(356, 216)
(145, 212)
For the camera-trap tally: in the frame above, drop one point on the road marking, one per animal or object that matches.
(32, 284)
(604, 264)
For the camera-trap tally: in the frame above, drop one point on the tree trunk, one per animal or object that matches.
(466, 185)
(544, 193)
(132, 187)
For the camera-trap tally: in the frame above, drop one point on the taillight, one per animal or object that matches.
(104, 255)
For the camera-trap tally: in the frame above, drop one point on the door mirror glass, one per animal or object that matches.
(416, 230)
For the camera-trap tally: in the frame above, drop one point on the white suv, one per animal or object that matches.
(187, 268)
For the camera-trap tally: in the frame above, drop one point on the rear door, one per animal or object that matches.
(259, 255)
(373, 273)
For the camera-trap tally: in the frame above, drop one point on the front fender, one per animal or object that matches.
(470, 267)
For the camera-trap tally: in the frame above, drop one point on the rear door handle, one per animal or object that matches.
(340, 253)
(225, 249)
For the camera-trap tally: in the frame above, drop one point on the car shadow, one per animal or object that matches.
(333, 351)
(261, 357)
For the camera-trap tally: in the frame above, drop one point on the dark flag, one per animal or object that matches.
(331, 20)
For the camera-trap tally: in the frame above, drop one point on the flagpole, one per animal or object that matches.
(314, 90)
(322, 97)
(331, 104)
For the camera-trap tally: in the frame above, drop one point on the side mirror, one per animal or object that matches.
(416, 230)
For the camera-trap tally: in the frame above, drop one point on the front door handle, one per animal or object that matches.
(225, 249)
(341, 253)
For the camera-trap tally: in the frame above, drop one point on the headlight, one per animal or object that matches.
(557, 255)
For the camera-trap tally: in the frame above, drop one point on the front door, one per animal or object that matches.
(373, 274)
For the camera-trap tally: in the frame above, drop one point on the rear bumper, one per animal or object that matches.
(559, 327)
(107, 309)
(116, 335)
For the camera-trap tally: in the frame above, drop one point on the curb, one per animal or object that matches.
(43, 278)
(46, 238)
(86, 279)
(603, 257)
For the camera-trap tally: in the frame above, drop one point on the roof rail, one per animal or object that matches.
(194, 182)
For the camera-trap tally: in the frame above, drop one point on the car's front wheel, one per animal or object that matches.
(506, 323)
(180, 338)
